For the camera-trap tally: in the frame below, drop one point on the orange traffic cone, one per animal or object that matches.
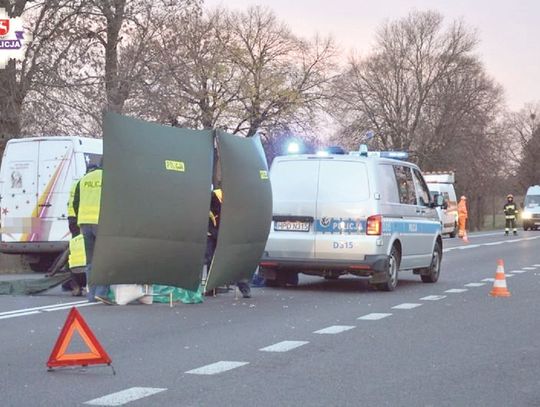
(499, 285)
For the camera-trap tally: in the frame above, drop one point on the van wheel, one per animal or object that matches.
(454, 232)
(434, 270)
(392, 272)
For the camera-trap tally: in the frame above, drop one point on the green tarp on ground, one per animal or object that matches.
(154, 205)
(32, 285)
(246, 211)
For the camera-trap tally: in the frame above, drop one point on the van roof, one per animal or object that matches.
(340, 157)
(533, 190)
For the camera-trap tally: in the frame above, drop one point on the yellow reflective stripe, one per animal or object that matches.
(213, 218)
(77, 253)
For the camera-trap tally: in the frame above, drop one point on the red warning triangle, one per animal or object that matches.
(96, 354)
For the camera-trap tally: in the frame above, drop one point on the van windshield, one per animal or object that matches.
(532, 200)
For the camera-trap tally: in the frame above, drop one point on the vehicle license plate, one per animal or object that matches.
(291, 226)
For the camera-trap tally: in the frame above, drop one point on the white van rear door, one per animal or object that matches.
(294, 190)
(19, 180)
(342, 207)
(57, 171)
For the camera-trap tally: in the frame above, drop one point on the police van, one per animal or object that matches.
(365, 214)
(36, 176)
(530, 215)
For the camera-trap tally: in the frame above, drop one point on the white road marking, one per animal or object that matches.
(536, 265)
(488, 279)
(284, 346)
(456, 290)
(125, 396)
(218, 367)
(433, 297)
(19, 315)
(43, 307)
(509, 275)
(466, 247)
(529, 268)
(475, 284)
(518, 271)
(335, 329)
(406, 305)
(374, 316)
(493, 243)
(71, 306)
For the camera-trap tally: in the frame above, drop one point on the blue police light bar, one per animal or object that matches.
(398, 155)
(293, 148)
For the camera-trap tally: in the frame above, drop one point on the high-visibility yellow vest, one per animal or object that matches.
(89, 198)
(77, 252)
(219, 195)
(71, 210)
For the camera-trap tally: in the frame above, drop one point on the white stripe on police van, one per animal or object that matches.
(125, 396)
(475, 284)
(19, 315)
(433, 297)
(488, 280)
(518, 271)
(284, 346)
(218, 367)
(374, 316)
(42, 307)
(406, 305)
(456, 290)
(335, 329)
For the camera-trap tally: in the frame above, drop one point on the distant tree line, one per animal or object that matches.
(421, 87)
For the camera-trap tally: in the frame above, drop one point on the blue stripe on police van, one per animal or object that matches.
(390, 225)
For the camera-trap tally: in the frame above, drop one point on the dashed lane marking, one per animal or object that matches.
(218, 367)
(125, 396)
(536, 265)
(529, 268)
(284, 346)
(407, 305)
(433, 297)
(475, 284)
(518, 271)
(335, 329)
(374, 316)
(456, 290)
(488, 279)
(508, 275)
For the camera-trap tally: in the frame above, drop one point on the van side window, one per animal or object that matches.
(406, 190)
(421, 188)
(387, 184)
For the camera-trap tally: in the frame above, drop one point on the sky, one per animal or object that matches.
(509, 31)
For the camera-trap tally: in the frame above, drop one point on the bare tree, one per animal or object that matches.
(282, 76)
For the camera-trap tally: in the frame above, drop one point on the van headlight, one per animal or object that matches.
(526, 215)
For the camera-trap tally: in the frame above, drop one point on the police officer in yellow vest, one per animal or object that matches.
(86, 203)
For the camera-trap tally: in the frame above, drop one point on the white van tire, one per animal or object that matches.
(391, 271)
(431, 274)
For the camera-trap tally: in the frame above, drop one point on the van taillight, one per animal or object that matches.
(374, 225)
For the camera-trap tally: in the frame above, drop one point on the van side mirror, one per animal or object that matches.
(439, 201)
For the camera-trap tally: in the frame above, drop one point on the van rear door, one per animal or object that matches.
(342, 209)
(19, 180)
(294, 190)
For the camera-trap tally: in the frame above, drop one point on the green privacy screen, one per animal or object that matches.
(246, 212)
(154, 205)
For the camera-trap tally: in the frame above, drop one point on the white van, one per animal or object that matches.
(442, 183)
(35, 179)
(530, 215)
(350, 214)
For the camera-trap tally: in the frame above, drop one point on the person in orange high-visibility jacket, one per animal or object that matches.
(462, 216)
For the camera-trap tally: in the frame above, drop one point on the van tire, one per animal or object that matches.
(392, 271)
(431, 274)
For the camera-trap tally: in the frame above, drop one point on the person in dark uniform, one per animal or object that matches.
(510, 212)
